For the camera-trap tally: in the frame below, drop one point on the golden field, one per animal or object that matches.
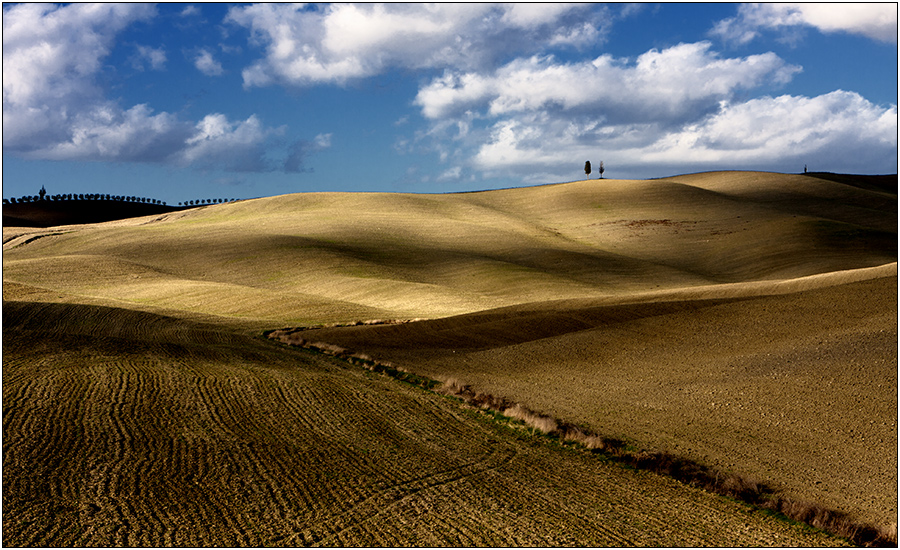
(745, 320)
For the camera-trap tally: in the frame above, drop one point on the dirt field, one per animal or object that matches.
(128, 429)
(746, 320)
(797, 389)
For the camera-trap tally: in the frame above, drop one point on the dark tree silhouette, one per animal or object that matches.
(587, 168)
(602, 169)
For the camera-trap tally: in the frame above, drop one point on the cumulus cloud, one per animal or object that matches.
(838, 126)
(660, 85)
(785, 132)
(676, 109)
(300, 150)
(53, 107)
(340, 42)
(877, 21)
(220, 143)
(50, 58)
(145, 55)
(207, 64)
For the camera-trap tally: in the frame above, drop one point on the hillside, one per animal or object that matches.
(327, 257)
(745, 320)
(48, 213)
(809, 377)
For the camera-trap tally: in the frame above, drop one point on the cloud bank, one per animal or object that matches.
(674, 110)
(672, 84)
(54, 108)
(876, 21)
(336, 43)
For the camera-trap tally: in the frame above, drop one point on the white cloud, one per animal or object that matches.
(451, 174)
(671, 84)
(190, 11)
(53, 107)
(51, 52)
(50, 58)
(220, 143)
(835, 127)
(839, 131)
(155, 57)
(207, 64)
(877, 21)
(340, 42)
(323, 141)
(106, 132)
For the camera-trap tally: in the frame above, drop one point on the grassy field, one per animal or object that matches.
(744, 320)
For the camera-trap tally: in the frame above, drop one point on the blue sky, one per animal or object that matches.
(194, 101)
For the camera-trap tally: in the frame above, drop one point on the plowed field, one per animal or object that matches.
(130, 429)
(798, 389)
(744, 320)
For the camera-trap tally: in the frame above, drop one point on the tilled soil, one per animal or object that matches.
(797, 390)
(129, 429)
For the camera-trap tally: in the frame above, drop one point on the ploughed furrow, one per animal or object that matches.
(149, 437)
(387, 502)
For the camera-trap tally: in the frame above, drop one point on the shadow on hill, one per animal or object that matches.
(51, 213)
(886, 183)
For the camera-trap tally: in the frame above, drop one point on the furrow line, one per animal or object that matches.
(379, 504)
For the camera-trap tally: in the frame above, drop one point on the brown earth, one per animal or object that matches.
(796, 389)
(746, 320)
(130, 429)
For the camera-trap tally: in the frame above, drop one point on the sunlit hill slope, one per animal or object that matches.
(322, 257)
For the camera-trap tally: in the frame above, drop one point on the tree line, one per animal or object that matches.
(105, 197)
(82, 197)
(205, 201)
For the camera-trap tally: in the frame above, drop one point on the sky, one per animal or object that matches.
(181, 102)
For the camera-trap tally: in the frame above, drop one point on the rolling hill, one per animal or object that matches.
(742, 319)
(328, 257)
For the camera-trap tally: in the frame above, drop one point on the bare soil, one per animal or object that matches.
(796, 389)
(130, 429)
(746, 320)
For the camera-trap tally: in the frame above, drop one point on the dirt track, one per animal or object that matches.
(127, 429)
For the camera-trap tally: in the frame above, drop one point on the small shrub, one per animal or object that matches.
(543, 424)
(452, 386)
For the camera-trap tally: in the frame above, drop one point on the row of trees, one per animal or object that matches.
(43, 196)
(81, 197)
(205, 201)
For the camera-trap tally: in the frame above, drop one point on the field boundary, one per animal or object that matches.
(751, 491)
